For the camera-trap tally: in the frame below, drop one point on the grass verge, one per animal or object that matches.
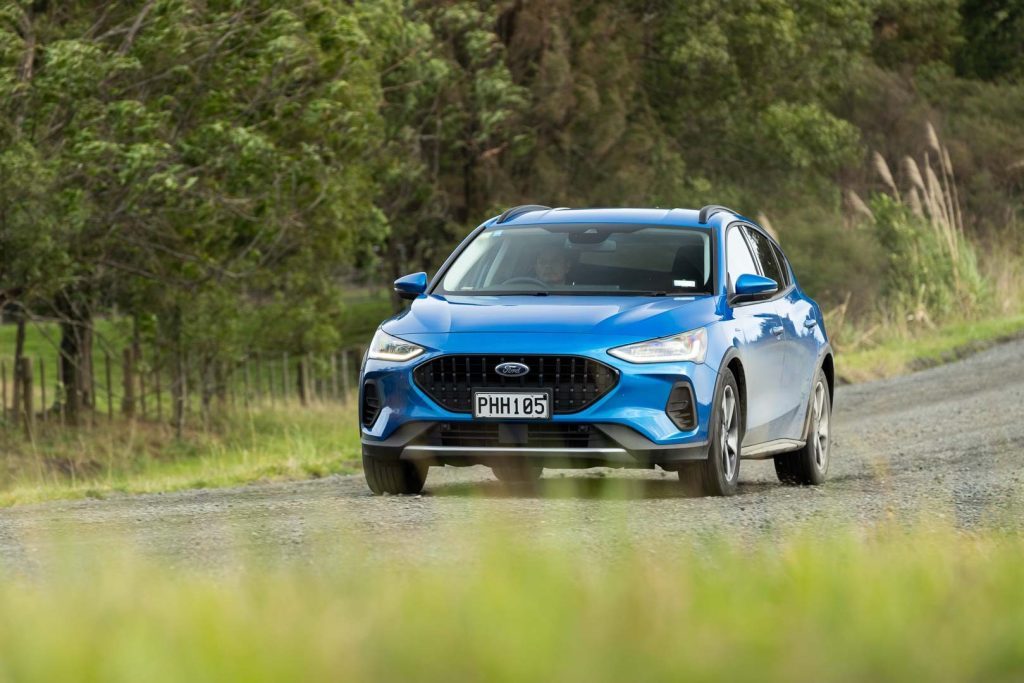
(261, 444)
(899, 355)
(885, 605)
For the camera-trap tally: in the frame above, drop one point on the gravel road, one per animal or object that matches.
(942, 444)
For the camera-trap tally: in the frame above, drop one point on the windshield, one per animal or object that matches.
(583, 259)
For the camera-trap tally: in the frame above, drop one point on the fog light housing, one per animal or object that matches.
(369, 405)
(681, 408)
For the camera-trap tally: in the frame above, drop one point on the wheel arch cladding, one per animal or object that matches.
(736, 367)
(828, 367)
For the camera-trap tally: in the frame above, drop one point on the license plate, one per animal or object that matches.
(506, 404)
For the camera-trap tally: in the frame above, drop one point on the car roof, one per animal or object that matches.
(678, 217)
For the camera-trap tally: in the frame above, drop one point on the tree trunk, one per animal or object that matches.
(178, 374)
(86, 377)
(19, 351)
(75, 342)
(397, 265)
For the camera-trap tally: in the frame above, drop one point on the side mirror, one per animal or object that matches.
(749, 286)
(411, 286)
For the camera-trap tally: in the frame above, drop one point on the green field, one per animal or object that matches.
(866, 605)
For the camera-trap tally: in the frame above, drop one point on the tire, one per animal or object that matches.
(808, 466)
(393, 476)
(718, 475)
(517, 472)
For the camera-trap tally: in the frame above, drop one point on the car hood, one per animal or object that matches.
(622, 316)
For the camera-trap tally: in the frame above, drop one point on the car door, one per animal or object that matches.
(802, 345)
(759, 326)
(792, 395)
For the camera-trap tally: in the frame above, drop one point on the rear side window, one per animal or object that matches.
(765, 255)
(740, 262)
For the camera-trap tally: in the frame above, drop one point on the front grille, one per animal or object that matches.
(518, 434)
(370, 406)
(575, 382)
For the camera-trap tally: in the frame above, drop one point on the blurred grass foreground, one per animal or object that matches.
(868, 605)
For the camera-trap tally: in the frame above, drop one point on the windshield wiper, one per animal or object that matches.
(485, 292)
(645, 292)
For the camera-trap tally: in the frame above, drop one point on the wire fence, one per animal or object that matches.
(165, 388)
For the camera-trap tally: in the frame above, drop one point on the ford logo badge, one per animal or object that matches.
(511, 369)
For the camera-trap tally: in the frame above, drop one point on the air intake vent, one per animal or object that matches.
(370, 406)
(533, 435)
(575, 382)
(680, 407)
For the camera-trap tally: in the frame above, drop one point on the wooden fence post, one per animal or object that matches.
(284, 377)
(128, 397)
(92, 384)
(257, 384)
(142, 386)
(62, 394)
(311, 390)
(229, 381)
(345, 379)
(110, 387)
(159, 398)
(269, 371)
(26, 398)
(303, 379)
(178, 389)
(245, 382)
(42, 389)
(334, 376)
(3, 386)
(16, 393)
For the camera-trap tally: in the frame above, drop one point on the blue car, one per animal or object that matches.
(641, 338)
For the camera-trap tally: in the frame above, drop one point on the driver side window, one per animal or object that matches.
(739, 260)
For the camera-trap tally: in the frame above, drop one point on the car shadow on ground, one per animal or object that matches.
(585, 487)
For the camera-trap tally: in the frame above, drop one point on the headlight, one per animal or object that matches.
(688, 346)
(386, 347)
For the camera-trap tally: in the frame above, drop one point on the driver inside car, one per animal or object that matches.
(552, 267)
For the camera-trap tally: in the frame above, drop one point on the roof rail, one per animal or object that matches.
(706, 212)
(520, 210)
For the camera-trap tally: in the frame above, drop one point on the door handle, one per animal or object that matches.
(810, 322)
(777, 330)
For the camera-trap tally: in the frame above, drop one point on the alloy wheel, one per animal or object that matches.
(729, 434)
(820, 427)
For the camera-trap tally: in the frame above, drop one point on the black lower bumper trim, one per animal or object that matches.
(620, 447)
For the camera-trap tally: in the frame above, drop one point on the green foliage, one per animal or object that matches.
(925, 273)
(993, 47)
(224, 172)
(910, 33)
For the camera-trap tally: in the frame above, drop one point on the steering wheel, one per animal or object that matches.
(526, 281)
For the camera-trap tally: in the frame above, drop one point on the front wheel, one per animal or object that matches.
(393, 476)
(809, 465)
(720, 473)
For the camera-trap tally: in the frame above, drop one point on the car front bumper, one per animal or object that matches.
(630, 424)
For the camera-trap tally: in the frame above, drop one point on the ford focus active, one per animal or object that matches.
(646, 338)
